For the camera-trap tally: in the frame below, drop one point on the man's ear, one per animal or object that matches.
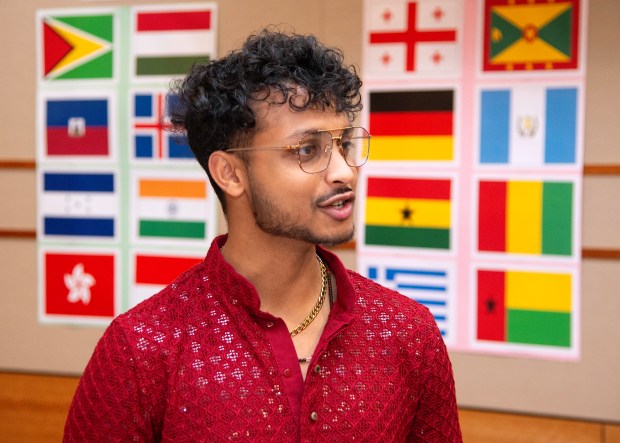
(228, 171)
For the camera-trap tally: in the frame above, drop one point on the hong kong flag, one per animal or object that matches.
(79, 284)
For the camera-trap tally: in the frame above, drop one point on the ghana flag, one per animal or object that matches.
(524, 307)
(412, 125)
(532, 35)
(77, 46)
(526, 217)
(408, 212)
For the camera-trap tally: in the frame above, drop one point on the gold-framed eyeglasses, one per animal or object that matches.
(314, 150)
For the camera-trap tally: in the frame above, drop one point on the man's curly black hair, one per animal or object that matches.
(215, 97)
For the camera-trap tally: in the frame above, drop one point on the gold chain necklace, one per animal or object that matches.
(319, 304)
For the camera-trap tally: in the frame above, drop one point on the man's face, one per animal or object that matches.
(288, 202)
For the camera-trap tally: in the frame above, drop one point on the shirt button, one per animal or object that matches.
(287, 373)
(314, 416)
(317, 369)
(269, 324)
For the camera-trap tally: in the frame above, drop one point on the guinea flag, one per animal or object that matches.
(412, 125)
(524, 307)
(408, 212)
(526, 217)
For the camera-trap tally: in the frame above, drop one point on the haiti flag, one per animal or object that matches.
(77, 126)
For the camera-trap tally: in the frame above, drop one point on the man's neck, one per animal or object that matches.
(285, 272)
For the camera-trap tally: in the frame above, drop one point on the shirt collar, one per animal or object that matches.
(243, 292)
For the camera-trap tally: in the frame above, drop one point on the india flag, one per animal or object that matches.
(408, 212)
(524, 307)
(412, 125)
(525, 217)
(172, 208)
(167, 40)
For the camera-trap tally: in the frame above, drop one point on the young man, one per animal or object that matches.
(271, 338)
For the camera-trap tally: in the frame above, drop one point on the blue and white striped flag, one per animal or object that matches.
(78, 205)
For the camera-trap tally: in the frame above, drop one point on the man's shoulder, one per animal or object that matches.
(372, 295)
(178, 301)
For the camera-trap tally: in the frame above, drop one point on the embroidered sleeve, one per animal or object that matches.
(436, 419)
(109, 404)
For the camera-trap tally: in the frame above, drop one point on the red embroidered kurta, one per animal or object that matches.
(200, 362)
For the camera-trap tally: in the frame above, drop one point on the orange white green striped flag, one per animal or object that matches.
(171, 208)
(525, 307)
(408, 212)
(525, 217)
(412, 125)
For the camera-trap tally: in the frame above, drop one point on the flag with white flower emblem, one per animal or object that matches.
(78, 284)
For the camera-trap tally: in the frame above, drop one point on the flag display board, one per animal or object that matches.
(123, 206)
(473, 182)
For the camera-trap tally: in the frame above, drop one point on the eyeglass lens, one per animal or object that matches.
(316, 148)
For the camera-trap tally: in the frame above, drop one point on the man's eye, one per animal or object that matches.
(309, 150)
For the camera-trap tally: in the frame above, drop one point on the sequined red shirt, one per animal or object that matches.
(200, 362)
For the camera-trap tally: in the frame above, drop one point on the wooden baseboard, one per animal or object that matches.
(33, 409)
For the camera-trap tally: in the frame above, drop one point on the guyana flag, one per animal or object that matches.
(522, 35)
(76, 46)
(408, 212)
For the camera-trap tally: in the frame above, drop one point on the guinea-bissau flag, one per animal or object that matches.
(526, 217)
(524, 307)
(531, 35)
(77, 46)
(412, 125)
(408, 212)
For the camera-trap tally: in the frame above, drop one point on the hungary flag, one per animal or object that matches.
(412, 125)
(76, 46)
(537, 35)
(170, 208)
(524, 307)
(167, 40)
(526, 217)
(408, 212)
